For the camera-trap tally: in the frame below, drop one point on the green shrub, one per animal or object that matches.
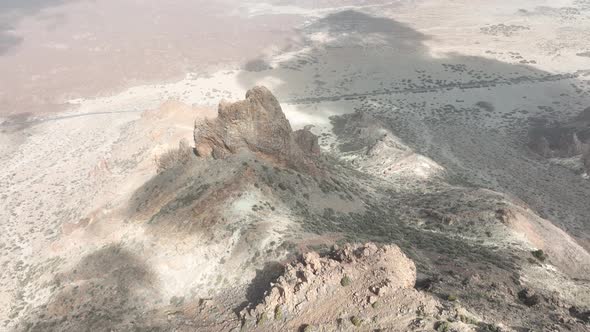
(375, 305)
(451, 298)
(278, 313)
(539, 254)
(356, 321)
(443, 326)
(345, 281)
(467, 320)
(261, 319)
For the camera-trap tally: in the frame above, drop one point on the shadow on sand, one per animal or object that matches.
(107, 290)
(470, 114)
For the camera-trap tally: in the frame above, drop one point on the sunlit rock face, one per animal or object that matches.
(257, 124)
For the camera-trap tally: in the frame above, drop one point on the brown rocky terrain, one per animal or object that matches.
(248, 150)
(259, 125)
(234, 234)
(358, 287)
(426, 168)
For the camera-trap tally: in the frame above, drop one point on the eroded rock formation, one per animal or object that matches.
(257, 124)
(339, 290)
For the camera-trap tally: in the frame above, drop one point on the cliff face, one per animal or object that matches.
(556, 142)
(257, 124)
(562, 139)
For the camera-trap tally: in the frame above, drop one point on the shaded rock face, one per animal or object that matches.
(561, 140)
(557, 141)
(307, 141)
(584, 116)
(257, 124)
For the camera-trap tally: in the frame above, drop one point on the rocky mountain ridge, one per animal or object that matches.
(259, 125)
(254, 229)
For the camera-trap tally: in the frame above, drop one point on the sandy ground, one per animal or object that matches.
(92, 48)
(418, 62)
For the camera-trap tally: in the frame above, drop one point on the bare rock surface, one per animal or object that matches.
(257, 124)
(357, 286)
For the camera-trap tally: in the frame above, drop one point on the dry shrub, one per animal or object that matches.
(174, 157)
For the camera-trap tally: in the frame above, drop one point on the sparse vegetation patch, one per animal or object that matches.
(539, 254)
(174, 157)
(356, 321)
(345, 281)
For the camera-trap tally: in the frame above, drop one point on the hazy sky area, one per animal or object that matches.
(11, 11)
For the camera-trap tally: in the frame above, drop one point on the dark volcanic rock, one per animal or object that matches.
(257, 124)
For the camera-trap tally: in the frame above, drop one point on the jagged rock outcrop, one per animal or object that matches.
(341, 290)
(257, 124)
